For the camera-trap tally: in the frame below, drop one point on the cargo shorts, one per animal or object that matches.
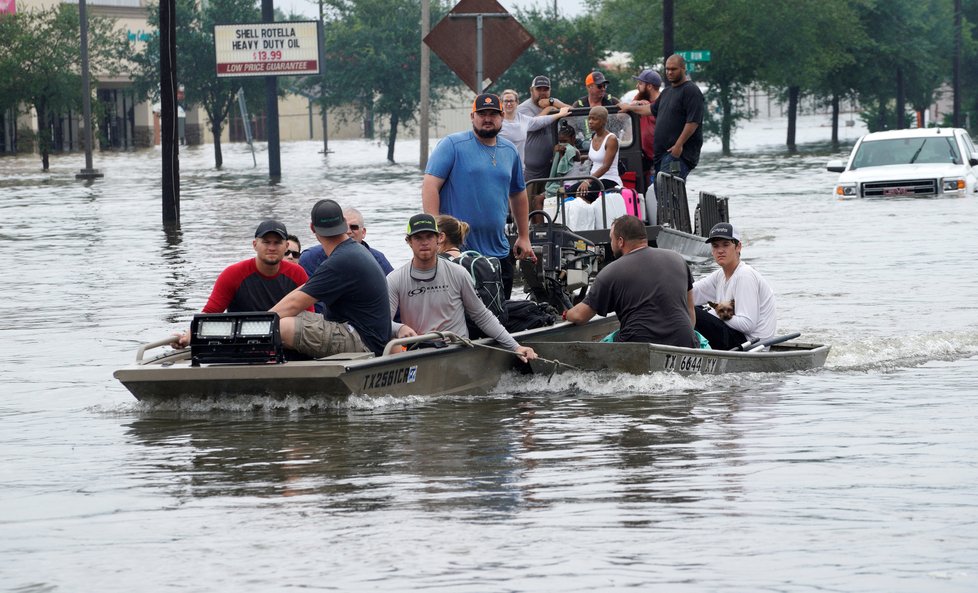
(317, 337)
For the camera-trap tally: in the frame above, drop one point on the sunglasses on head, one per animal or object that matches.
(292, 253)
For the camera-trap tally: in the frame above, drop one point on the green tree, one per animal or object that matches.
(565, 50)
(197, 62)
(373, 57)
(41, 66)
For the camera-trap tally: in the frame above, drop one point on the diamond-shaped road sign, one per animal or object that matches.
(454, 39)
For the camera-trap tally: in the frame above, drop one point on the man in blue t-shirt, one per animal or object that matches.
(351, 285)
(477, 177)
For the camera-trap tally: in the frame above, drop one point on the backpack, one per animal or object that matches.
(523, 315)
(487, 278)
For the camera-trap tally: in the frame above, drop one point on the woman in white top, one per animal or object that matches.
(603, 152)
(516, 125)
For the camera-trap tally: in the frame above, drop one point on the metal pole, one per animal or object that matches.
(478, 53)
(271, 105)
(956, 66)
(668, 43)
(88, 172)
(425, 83)
(322, 84)
(168, 115)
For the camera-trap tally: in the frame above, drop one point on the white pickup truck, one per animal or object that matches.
(921, 162)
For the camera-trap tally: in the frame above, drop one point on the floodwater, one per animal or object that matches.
(859, 477)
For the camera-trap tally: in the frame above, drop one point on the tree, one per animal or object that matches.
(373, 54)
(565, 50)
(45, 75)
(197, 62)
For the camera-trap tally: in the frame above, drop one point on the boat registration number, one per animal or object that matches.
(690, 364)
(391, 377)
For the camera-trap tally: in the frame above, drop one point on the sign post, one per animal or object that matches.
(269, 49)
(507, 36)
(694, 55)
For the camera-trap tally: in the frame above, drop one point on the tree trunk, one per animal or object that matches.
(392, 137)
(218, 157)
(881, 114)
(368, 121)
(901, 101)
(726, 109)
(835, 121)
(793, 93)
(43, 135)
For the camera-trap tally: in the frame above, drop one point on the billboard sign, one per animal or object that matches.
(268, 49)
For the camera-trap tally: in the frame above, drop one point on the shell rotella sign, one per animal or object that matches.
(268, 49)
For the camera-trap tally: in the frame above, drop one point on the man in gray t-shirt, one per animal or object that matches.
(434, 294)
(651, 290)
(539, 149)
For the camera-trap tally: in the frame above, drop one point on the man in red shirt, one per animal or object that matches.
(257, 283)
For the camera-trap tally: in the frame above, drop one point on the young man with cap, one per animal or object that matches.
(478, 178)
(351, 285)
(647, 83)
(434, 294)
(257, 283)
(649, 289)
(679, 112)
(755, 315)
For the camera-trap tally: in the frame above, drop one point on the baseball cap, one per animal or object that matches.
(422, 223)
(327, 219)
(723, 230)
(541, 81)
(595, 77)
(649, 76)
(486, 101)
(271, 226)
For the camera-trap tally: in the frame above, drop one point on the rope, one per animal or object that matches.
(556, 363)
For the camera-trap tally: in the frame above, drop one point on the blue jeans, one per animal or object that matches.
(665, 165)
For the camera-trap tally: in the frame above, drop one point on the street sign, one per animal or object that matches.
(268, 49)
(458, 38)
(695, 55)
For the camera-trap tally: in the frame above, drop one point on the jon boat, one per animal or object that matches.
(641, 358)
(470, 367)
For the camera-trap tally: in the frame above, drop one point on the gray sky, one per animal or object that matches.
(310, 8)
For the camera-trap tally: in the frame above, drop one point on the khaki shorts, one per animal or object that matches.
(316, 337)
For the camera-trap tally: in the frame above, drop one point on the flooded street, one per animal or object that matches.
(859, 477)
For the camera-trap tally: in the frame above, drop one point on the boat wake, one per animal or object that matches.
(891, 353)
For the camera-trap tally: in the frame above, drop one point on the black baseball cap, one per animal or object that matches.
(541, 81)
(422, 223)
(724, 230)
(487, 101)
(271, 226)
(327, 219)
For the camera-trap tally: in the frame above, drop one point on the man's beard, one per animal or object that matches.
(644, 95)
(481, 133)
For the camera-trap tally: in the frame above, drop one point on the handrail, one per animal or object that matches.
(161, 342)
(449, 337)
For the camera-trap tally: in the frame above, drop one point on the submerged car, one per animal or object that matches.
(921, 162)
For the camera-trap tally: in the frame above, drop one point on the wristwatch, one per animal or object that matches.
(551, 101)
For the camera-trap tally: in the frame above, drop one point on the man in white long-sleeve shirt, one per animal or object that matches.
(755, 315)
(434, 294)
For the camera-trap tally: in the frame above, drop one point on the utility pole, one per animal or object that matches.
(668, 42)
(956, 67)
(271, 105)
(168, 114)
(322, 88)
(425, 83)
(88, 172)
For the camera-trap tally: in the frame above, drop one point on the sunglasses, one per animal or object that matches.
(354, 227)
(292, 253)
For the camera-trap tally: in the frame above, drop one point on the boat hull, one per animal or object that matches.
(454, 370)
(641, 358)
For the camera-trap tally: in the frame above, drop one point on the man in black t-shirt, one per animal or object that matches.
(679, 114)
(353, 288)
